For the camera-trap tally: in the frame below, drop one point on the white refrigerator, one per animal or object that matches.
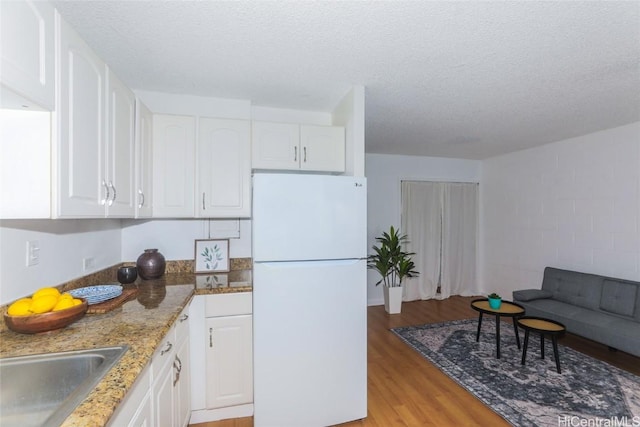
(309, 299)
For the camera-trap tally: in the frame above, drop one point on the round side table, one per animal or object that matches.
(507, 309)
(543, 327)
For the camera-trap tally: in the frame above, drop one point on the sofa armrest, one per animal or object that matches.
(531, 294)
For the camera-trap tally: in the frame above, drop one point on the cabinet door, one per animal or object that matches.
(275, 146)
(80, 153)
(182, 384)
(224, 168)
(143, 417)
(120, 149)
(198, 346)
(229, 361)
(135, 409)
(27, 50)
(25, 139)
(173, 166)
(163, 408)
(322, 148)
(144, 162)
(182, 368)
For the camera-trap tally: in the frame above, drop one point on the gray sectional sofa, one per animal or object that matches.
(603, 309)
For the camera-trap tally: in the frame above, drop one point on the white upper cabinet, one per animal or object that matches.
(144, 160)
(120, 158)
(80, 150)
(288, 146)
(173, 166)
(25, 164)
(94, 148)
(322, 148)
(27, 51)
(224, 168)
(223, 185)
(275, 146)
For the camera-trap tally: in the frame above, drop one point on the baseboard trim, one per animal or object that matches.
(375, 301)
(207, 415)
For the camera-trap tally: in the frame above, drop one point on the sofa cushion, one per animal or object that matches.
(618, 297)
(580, 289)
(552, 308)
(531, 294)
(610, 330)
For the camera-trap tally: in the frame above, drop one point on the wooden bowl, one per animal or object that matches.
(44, 322)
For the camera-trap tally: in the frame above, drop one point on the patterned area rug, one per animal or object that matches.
(587, 392)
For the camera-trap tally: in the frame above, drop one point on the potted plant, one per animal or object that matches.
(494, 300)
(393, 264)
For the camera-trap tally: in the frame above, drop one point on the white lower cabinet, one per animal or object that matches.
(161, 396)
(162, 391)
(182, 380)
(135, 410)
(143, 416)
(229, 361)
(222, 347)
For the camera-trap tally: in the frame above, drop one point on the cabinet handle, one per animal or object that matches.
(305, 154)
(203, 208)
(167, 349)
(177, 368)
(211, 337)
(113, 199)
(295, 154)
(141, 194)
(106, 197)
(183, 318)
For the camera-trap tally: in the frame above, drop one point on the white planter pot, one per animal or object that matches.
(393, 299)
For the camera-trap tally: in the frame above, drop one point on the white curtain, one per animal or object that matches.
(421, 219)
(441, 222)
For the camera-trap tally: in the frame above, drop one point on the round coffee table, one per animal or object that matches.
(543, 327)
(507, 309)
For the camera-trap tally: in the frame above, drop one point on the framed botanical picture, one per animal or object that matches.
(212, 255)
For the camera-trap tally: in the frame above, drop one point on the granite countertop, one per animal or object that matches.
(140, 323)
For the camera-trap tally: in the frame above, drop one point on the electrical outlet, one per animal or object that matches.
(88, 263)
(33, 253)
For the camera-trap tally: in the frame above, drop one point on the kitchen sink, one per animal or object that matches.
(42, 390)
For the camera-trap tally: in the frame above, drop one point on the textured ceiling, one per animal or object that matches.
(452, 79)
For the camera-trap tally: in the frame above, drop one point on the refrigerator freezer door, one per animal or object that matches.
(309, 217)
(310, 343)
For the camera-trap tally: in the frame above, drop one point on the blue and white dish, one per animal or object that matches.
(97, 294)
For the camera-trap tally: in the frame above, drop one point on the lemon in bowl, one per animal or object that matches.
(21, 307)
(46, 310)
(46, 291)
(43, 303)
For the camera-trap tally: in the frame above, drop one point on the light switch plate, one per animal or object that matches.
(33, 253)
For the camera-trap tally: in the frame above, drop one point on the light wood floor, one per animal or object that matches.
(404, 389)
